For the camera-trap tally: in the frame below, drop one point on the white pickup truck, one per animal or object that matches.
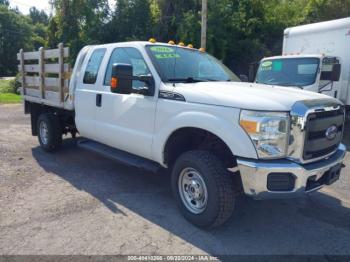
(155, 105)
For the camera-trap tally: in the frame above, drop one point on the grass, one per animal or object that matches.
(6, 97)
(4, 85)
(10, 98)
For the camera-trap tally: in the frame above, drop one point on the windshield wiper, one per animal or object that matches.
(281, 84)
(189, 80)
(290, 84)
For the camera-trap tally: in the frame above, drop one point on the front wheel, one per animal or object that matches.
(203, 188)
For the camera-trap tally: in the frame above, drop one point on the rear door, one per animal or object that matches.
(86, 94)
(126, 121)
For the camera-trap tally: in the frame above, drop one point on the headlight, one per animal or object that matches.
(268, 131)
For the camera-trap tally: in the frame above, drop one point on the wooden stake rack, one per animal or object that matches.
(45, 75)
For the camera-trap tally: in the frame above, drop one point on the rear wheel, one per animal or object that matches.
(203, 188)
(49, 132)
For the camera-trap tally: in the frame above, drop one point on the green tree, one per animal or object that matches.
(234, 31)
(52, 35)
(177, 20)
(39, 21)
(78, 22)
(323, 10)
(15, 33)
(38, 17)
(131, 20)
(239, 31)
(39, 36)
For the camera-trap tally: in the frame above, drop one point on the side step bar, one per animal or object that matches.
(119, 155)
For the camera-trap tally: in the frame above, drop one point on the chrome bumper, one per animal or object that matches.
(254, 174)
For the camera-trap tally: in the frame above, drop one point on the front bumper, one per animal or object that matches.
(307, 177)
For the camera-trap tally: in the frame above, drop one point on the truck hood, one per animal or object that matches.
(245, 95)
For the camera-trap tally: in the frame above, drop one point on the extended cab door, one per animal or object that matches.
(86, 92)
(126, 121)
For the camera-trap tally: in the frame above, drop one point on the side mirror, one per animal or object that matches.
(333, 75)
(336, 72)
(122, 77)
(121, 81)
(243, 78)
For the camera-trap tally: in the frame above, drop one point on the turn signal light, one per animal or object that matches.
(114, 82)
(250, 127)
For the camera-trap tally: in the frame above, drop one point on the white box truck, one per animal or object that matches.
(153, 105)
(315, 57)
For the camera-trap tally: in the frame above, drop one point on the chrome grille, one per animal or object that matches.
(310, 120)
(316, 142)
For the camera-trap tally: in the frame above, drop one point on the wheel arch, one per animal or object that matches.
(190, 138)
(229, 134)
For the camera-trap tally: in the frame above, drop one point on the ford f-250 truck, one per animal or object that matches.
(153, 105)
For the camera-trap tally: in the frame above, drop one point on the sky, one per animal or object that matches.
(25, 5)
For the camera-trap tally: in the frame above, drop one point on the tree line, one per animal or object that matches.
(240, 32)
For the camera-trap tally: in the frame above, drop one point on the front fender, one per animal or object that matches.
(224, 124)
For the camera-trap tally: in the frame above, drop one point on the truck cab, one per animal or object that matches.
(316, 73)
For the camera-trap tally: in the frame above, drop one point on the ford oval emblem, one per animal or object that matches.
(331, 132)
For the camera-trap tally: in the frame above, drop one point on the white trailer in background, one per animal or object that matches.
(315, 57)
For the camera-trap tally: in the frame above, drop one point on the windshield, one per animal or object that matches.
(288, 71)
(176, 64)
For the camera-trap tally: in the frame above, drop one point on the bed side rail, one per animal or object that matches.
(45, 75)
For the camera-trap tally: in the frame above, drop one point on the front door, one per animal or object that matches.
(126, 121)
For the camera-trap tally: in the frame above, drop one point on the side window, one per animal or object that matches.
(127, 55)
(93, 66)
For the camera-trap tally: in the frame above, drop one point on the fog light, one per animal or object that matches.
(280, 182)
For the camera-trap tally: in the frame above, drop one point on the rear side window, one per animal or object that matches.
(93, 66)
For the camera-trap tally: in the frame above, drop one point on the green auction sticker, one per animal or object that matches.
(166, 56)
(162, 49)
(266, 64)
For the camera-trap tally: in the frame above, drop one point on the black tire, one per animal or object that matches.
(54, 134)
(219, 185)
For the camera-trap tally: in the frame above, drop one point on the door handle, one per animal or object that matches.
(98, 100)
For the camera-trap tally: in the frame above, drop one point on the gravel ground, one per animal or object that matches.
(76, 202)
